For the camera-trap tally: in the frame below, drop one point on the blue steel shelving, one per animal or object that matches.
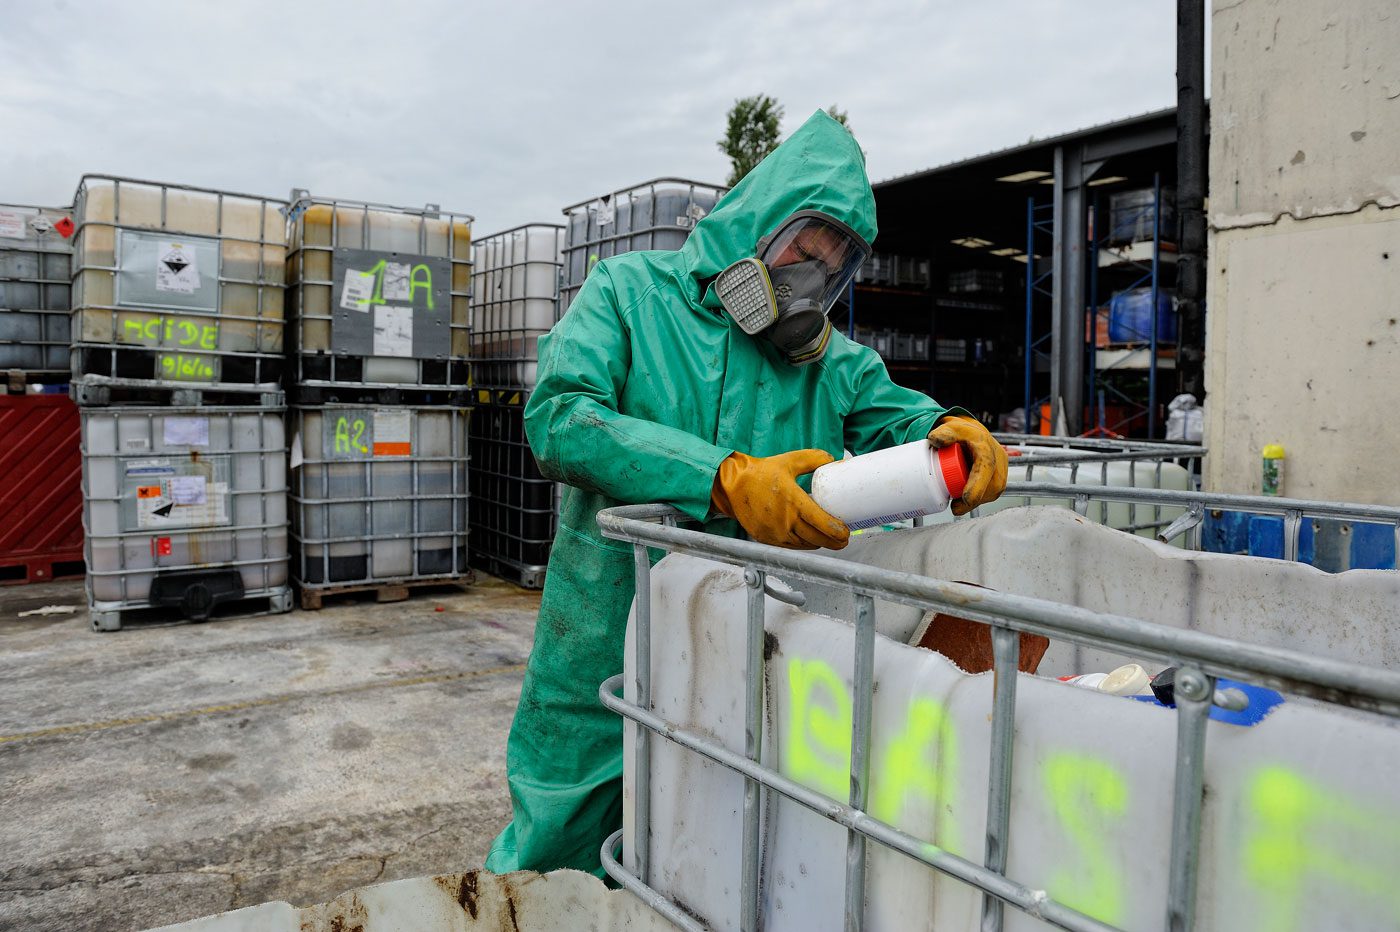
(1040, 231)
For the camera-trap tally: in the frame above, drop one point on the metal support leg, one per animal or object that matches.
(753, 748)
(1194, 692)
(861, 714)
(642, 824)
(1006, 649)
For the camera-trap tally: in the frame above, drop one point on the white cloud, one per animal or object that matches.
(510, 111)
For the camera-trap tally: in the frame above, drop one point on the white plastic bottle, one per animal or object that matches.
(907, 481)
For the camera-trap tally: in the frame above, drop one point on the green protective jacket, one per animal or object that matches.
(644, 387)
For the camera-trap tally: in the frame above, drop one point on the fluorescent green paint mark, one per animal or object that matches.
(425, 282)
(817, 750)
(1089, 797)
(1299, 830)
(918, 767)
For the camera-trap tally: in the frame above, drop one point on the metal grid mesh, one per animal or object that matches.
(317, 228)
(234, 344)
(657, 214)
(35, 288)
(514, 510)
(124, 558)
(515, 301)
(1201, 658)
(359, 518)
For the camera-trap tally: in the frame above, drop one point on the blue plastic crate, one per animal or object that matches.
(1130, 317)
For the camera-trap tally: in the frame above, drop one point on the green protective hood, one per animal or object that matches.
(819, 167)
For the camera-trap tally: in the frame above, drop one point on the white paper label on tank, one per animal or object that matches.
(358, 290)
(11, 224)
(606, 214)
(137, 443)
(176, 268)
(396, 282)
(187, 431)
(149, 467)
(393, 331)
(393, 432)
(188, 490)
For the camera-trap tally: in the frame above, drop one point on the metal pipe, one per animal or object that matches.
(1033, 902)
(1190, 192)
(641, 841)
(753, 749)
(862, 714)
(1006, 652)
(1280, 668)
(1194, 691)
(643, 892)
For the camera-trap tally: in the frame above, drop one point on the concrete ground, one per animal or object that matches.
(157, 774)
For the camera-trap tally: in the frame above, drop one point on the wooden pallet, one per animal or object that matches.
(18, 571)
(311, 598)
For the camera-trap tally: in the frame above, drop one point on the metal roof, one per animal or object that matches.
(1115, 126)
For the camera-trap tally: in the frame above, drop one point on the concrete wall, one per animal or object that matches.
(1303, 322)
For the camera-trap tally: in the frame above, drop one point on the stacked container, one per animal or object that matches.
(380, 386)
(655, 215)
(176, 364)
(41, 528)
(515, 301)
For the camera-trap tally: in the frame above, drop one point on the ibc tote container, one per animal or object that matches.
(379, 497)
(183, 508)
(515, 300)
(514, 508)
(657, 214)
(35, 283)
(176, 287)
(379, 297)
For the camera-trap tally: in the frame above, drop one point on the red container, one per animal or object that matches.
(41, 494)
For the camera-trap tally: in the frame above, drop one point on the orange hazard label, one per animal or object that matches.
(393, 449)
(148, 491)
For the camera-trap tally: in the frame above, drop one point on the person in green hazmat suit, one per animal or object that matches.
(709, 379)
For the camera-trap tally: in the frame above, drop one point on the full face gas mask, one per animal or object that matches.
(786, 291)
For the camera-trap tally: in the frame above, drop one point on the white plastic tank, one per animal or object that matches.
(658, 214)
(35, 283)
(172, 493)
(379, 494)
(378, 294)
(177, 286)
(515, 300)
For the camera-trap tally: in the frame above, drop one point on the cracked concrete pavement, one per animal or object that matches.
(158, 774)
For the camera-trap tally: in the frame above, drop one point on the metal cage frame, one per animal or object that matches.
(1202, 658)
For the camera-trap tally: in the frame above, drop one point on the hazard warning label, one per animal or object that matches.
(176, 268)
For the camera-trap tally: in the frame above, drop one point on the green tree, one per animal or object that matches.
(751, 133)
(839, 116)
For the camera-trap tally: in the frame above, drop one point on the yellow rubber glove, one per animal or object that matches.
(987, 478)
(762, 494)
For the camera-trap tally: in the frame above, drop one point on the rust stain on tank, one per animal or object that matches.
(462, 888)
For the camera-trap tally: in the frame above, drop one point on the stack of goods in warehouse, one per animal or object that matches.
(1139, 264)
(41, 503)
(380, 387)
(176, 365)
(515, 301)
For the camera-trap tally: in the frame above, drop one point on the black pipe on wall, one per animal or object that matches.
(1190, 191)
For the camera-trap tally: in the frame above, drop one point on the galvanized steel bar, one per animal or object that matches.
(1194, 691)
(1258, 504)
(862, 713)
(642, 683)
(1006, 652)
(1032, 902)
(1292, 530)
(1305, 674)
(639, 888)
(753, 749)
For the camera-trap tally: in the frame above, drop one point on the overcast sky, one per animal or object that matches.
(510, 111)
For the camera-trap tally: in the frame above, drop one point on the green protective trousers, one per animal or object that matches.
(645, 386)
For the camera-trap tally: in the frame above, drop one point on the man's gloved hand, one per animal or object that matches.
(762, 494)
(987, 478)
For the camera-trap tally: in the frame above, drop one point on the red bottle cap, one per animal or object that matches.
(952, 460)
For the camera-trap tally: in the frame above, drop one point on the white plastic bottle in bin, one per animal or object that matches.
(907, 481)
